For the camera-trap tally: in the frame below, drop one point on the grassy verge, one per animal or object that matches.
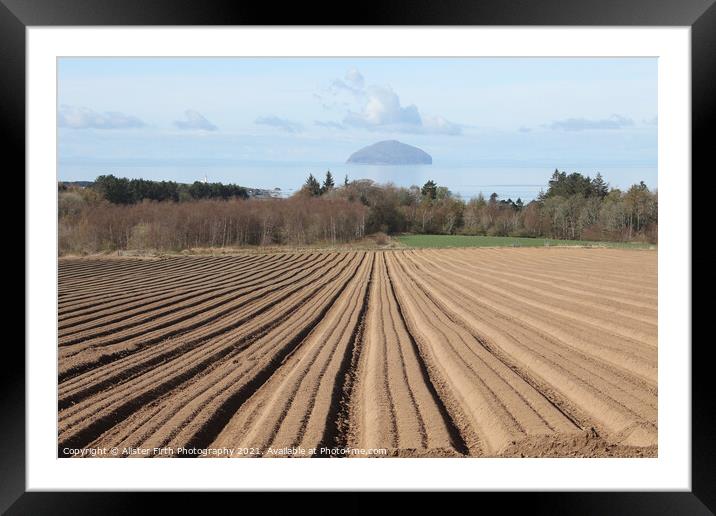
(370, 243)
(440, 241)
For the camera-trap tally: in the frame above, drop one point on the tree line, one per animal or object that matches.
(88, 223)
(120, 190)
(573, 206)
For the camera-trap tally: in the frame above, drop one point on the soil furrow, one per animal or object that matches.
(400, 353)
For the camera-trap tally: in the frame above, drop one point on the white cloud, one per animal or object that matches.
(194, 121)
(581, 124)
(353, 82)
(75, 117)
(379, 108)
(329, 124)
(382, 108)
(438, 125)
(354, 77)
(279, 123)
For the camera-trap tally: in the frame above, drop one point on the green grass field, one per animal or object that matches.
(439, 241)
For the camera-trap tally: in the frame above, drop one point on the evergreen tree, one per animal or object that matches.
(116, 190)
(312, 185)
(563, 185)
(600, 186)
(328, 183)
(430, 190)
(345, 181)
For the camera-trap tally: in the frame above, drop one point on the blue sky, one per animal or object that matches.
(489, 111)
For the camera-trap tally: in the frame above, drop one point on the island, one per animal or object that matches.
(390, 152)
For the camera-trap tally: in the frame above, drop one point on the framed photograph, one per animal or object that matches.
(444, 248)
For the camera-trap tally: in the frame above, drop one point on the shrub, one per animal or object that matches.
(381, 238)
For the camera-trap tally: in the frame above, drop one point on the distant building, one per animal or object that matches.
(260, 193)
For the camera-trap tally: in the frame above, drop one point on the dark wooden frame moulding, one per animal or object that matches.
(17, 15)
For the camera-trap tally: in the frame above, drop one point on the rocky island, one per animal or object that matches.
(390, 152)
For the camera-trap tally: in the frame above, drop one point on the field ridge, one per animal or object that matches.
(463, 352)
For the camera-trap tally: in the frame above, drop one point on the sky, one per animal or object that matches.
(492, 112)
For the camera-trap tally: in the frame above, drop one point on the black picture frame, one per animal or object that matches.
(700, 15)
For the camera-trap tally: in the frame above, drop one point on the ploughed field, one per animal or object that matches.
(432, 353)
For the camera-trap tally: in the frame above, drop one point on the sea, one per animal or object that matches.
(465, 180)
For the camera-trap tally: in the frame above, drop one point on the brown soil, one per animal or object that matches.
(414, 353)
